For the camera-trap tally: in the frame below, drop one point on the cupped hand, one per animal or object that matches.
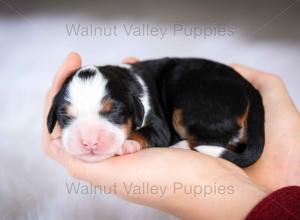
(164, 166)
(280, 161)
(70, 64)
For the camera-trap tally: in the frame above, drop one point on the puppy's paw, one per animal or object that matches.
(129, 147)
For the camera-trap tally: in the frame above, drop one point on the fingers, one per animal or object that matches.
(280, 111)
(270, 86)
(247, 72)
(257, 78)
(130, 60)
(70, 64)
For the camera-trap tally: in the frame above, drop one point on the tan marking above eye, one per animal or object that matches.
(106, 105)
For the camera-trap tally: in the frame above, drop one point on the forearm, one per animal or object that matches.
(208, 188)
(215, 207)
(180, 199)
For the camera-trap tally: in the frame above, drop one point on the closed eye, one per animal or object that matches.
(116, 113)
(66, 120)
(63, 117)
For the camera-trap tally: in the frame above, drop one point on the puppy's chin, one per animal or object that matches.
(93, 158)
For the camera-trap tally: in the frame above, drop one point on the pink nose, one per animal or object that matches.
(89, 138)
(90, 144)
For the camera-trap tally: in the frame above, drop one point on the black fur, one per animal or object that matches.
(124, 89)
(212, 97)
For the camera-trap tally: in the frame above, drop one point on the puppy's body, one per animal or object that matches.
(208, 104)
(168, 100)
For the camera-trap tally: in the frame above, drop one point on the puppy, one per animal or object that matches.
(191, 103)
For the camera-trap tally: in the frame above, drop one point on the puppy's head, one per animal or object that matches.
(97, 108)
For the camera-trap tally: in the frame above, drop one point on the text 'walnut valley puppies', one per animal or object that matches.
(193, 103)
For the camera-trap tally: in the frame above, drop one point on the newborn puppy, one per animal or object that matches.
(193, 103)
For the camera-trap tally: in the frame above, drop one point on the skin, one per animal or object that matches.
(164, 166)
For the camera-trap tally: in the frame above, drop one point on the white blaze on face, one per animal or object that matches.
(85, 95)
(90, 136)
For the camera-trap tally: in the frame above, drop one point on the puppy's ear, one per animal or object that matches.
(138, 112)
(52, 116)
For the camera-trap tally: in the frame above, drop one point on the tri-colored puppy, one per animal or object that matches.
(200, 104)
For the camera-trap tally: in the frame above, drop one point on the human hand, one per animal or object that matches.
(280, 161)
(71, 63)
(159, 167)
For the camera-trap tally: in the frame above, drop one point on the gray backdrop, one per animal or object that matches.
(35, 37)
